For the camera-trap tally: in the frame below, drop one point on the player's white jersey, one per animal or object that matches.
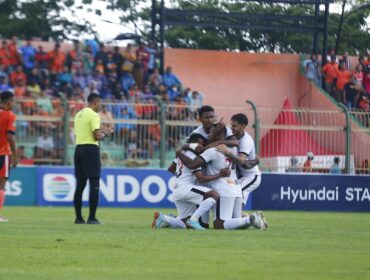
(216, 161)
(200, 130)
(246, 146)
(185, 175)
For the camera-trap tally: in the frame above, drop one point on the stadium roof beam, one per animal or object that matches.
(219, 19)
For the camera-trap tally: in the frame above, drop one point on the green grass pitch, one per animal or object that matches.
(43, 243)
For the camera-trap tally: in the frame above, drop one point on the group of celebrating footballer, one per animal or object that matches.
(215, 170)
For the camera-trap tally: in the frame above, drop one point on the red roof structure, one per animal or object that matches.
(288, 142)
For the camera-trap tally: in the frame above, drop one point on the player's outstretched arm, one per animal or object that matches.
(172, 168)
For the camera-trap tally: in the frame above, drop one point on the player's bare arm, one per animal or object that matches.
(188, 162)
(13, 148)
(240, 159)
(172, 168)
(195, 147)
(230, 142)
(202, 178)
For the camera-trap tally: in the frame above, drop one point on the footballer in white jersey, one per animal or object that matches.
(249, 177)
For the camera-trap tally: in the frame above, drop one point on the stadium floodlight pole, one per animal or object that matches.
(161, 35)
(326, 31)
(256, 126)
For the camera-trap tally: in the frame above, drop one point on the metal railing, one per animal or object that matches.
(147, 134)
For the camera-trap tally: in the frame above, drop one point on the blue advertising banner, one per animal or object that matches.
(20, 189)
(313, 192)
(118, 187)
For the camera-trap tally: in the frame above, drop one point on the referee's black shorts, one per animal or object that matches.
(87, 161)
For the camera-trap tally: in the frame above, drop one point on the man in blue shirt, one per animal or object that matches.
(335, 168)
(170, 80)
(28, 56)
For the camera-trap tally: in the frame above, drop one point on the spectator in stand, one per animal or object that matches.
(79, 78)
(194, 101)
(307, 166)
(367, 81)
(5, 56)
(106, 119)
(363, 105)
(90, 89)
(99, 66)
(65, 76)
(34, 75)
(88, 60)
(358, 74)
(331, 53)
(361, 61)
(294, 167)
(20, 89)
(170, 80)
(2, 70)
(147, 93)
(106, 160)
(343, 77)
(346, 61)
(74, 57)
(45, 145)
(141, 65)
(127, 82)
(4, 86)
(335, 168)
(44, 102)
(18, 74)
(110, 65)
(155, 80)
(129, 58)
(33, 89)
(22, 158)
(311, 68)
(56, 60)
(118, 60)
(48, 88)
(329, 72)
(365, 167)
(93, 45)
(367, 61)
(15, 59)
(42, 58)
(151, 49)
(352, 92)
(173, 92)
(101, 55)
(28, 56)
(125, 114)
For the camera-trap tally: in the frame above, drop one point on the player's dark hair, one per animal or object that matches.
(205, 109)
(223, 131)
(240, 118)
(92, 97)
(195, 137)
(6, 96)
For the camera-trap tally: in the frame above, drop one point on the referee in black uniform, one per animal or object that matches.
(87, 156)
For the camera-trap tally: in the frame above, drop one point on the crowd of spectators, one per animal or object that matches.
(346, 83)
(128, 79)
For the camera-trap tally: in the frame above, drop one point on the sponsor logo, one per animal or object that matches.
(58, 187)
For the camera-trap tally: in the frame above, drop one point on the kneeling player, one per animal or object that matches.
(191, 200)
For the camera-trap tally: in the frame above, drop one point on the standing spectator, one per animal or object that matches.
(90, 89)
(20, 89)
(363, 105)
(106, 119)
(346, 61)
(5, 56)
(155, 80)
(18, 74)
(56, 60)
(335, 168)
(307, 166)
(79, 78)
(170, 79)
(101, 54)
(367, 82)
(329, 72)
(42, 58)
(110, 65)
(88, 60)
(87, 157)
(44, 102)
(343, 77)
(34, 75)
(93, 45)
(14, 54)
(3, 72)
(127, 82)
(28, 56)
(351, 94)
(65, 76)
(45, 145)
(98, 78)
(194, 101)
(129, 56)
(311, 68)
(141, 65)
(4, 86)
(151, 49)
(74, 57)
(359, 75)
(331, 53)
(294, 167)
(118, 59)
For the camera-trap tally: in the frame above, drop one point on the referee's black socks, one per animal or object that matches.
(94, 197)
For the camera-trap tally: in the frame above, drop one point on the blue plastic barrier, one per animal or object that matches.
(20, 189)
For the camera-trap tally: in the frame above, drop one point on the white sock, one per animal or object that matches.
(203, 208)
(174, 222)
(236, 223)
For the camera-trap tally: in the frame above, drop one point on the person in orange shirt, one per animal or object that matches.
(8, 151)
(343, 77)
(14, 54)
(329, 72)
(4, 55)
(56, 60)
(20, 89)
(17, 75)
